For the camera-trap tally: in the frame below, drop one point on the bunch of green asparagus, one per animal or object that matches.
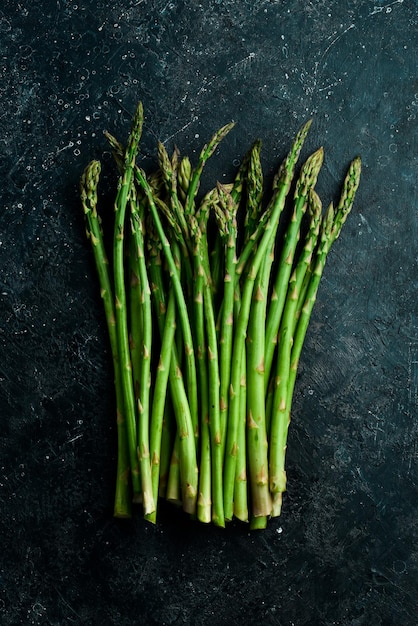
(207, 301)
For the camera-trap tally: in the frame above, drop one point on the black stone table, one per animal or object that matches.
(344, 550)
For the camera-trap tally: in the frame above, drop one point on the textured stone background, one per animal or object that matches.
(345, 549)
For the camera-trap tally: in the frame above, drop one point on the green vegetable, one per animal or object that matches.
(89, 184)
(207, 309)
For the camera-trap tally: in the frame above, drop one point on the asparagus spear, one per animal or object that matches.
(254, 191)
(159, 397)
(184, 405)
(176, 215)
(253, 239)
(145, 346)
(256, 422)
(223, 259)
(88, 189)
(282, 187)
(281, 398)
(122, 197)
(225, 213)
(205, 154)
(306, 182)
(330, 230)
(205, 319)
(214, 410)
(204, 502)
(162, 426)
(241, 505)
(256, 419)
(178, 290)
(140, 321)
(184, 174)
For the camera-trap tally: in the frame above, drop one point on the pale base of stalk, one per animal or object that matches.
(277, 504)
(204, 502)
(173, 493)
(278, 482)
(189, 500)
(240, 497)
(277, 495)
(261, 500)
(204, 509)
(149, 505)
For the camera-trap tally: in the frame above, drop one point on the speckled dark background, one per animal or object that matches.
(345, 550)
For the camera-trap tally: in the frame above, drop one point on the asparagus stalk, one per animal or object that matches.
(214, 410)
(204, 502)
(282, 188)
(306, 182)
(241, 505)
(175, 213)
(205, 154)
(256, 419)
(345, 204)
(135, 317)
(254, 185)
(136, 320)
(178, 290)
(205, 318)
(185, 448)
(161, 416)
(159, 397)
(169, 171)
(88, 189)
(225, 213)
(330, 230)
(184, 174)
(233, 194)
(124, 188)
(281, 398)
(144, 383)
(174, 494)
(253, 239)
(217, 272)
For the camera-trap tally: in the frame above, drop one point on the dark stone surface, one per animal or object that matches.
(345, 549)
